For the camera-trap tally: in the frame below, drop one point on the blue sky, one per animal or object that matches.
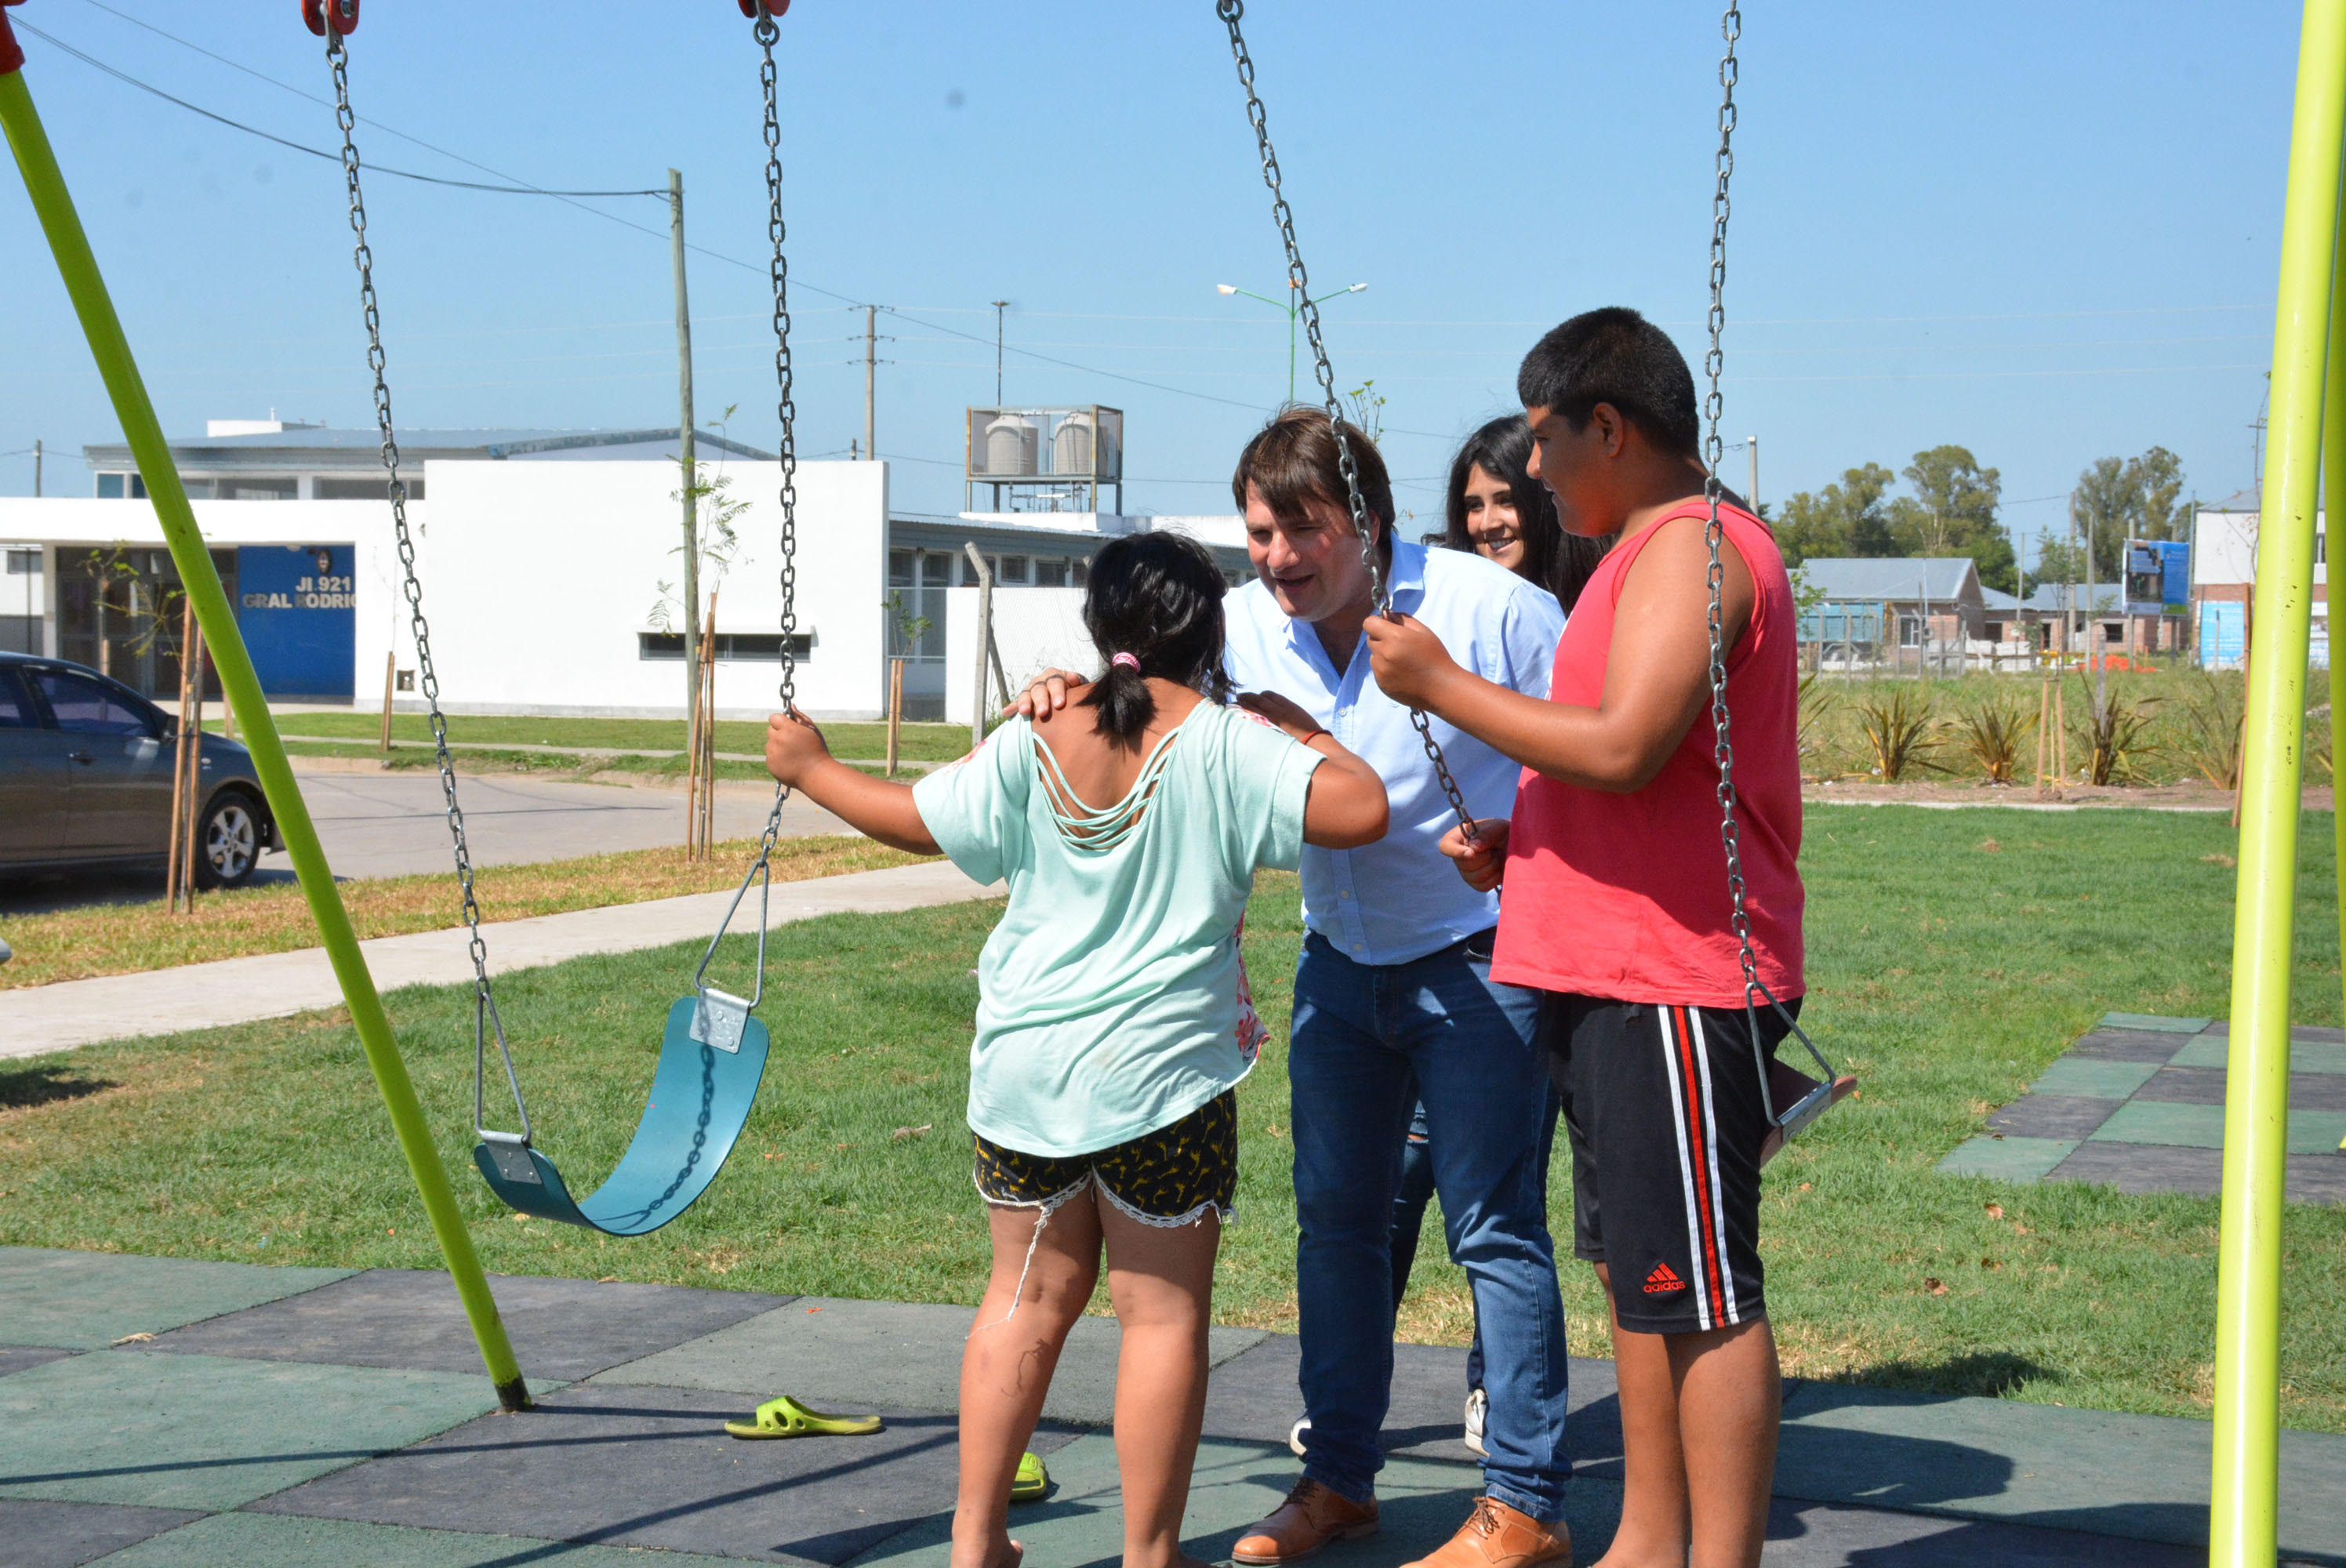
(2048, 233)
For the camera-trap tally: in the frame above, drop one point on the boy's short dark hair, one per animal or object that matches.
(1293, 459)
(1614, 356)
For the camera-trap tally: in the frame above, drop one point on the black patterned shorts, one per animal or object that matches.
(1170, 1176)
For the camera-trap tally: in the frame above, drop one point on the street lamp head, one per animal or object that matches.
(1226, 289)
(1356, 288)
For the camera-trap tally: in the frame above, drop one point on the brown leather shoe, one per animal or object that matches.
(1497, 1536)
(1311, 1517)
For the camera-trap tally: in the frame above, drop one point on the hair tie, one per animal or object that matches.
(1128, 661)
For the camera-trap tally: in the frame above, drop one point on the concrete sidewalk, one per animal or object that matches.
(158, 1411)
(240, 990)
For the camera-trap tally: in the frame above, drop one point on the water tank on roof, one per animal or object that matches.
(1071, 445)
(1012, 446)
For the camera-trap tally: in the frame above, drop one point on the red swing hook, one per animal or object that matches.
(342, 16)
(12, 58)
(750, 8)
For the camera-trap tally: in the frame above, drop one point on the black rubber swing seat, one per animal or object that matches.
(700, 1096)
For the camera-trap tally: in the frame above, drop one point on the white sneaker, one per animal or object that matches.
(1478, 1411)
(1295, 1435)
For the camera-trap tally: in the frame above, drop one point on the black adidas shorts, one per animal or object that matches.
(1664, 1110)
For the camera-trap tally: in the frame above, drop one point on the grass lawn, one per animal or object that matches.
(1953, 954)
(126, 939)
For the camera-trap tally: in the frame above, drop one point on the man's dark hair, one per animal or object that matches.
(1557, 561)
(1614, 356)
(1293, 459)
(1158, 597)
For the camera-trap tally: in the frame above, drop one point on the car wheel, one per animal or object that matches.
(227, 842)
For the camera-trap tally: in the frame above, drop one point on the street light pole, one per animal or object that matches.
(1293, 310)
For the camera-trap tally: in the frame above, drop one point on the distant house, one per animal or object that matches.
(2037, 621)
(1891, 602)
(2224, 575)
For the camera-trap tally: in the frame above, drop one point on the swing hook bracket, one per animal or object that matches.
(341, 15)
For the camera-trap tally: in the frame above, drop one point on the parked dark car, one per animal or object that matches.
(86, 780)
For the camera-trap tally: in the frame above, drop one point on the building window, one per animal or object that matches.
(733, 647)
(1996, 631)
(1910, 631)
(1010, 571)
(1083, 571)
(1050, 573)
(2113, 631)
(372, 488)
(255, 488)
(23, 563)
(112, 487)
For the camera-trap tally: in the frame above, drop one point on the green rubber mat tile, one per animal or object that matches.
(2215, 1051)
(2153, 1022)
(2316, 1132)
(2165, 1121)
(2094, 1078)
(1422, 1502)
(2007, 1159)
(269, 1540)
(209, 1432)
(87, 1300)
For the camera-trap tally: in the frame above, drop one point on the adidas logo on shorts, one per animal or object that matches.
(1663, 1280)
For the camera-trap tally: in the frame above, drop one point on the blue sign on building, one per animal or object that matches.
(295, 607)
(2157, 576)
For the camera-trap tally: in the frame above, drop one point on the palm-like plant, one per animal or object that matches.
(1994, 732)
(1902, 731)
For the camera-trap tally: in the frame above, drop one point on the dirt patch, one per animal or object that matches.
(2188, 797)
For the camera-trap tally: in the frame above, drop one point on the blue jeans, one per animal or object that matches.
(1416, 1190)
(1368, 1042)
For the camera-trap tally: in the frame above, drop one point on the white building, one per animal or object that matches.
(2224, 575)
(549, 566)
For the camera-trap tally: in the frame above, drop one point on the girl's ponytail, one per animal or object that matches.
(1154, 605)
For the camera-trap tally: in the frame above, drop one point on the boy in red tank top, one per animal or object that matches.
(1616, 905)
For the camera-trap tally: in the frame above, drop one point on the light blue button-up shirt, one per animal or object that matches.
(1399, 898)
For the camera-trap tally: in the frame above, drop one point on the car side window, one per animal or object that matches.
(85, 707)
(15, 708)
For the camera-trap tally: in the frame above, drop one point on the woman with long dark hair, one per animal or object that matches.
(1499, 510)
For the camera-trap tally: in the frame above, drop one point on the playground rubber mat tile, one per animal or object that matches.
(2142, 1168)
(636, 1465)
(2138, 1476)
(2317, 1178)
(2007, 1158)
(266, 1541)
(889, 1354)
(2192, 1086)
(87, 1300)
(16, 1358)
(2153, 1023)
(2053, 1116)
(2315, 1132)
(562, 1330)
(2156, 1121)
(2089, 1077)
(2126, 1046)
(209, 1432)
(1835, 1535)
(1255, 1398)
(2215, 1051)
(40, 1535)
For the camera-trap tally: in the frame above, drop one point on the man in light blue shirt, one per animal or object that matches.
(1394, 1005)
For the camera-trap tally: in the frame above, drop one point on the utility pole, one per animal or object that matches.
(36, 469)
(871, 345)
(999, 306)
(1752, 444)
(685, 462)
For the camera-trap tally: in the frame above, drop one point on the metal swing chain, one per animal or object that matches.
(767, 32)
(1299, 281)
(484, 1001)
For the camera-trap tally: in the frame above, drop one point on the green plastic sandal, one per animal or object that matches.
(786, 1418)
(1032, 1481)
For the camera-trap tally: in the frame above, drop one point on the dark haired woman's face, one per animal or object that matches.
(1491, 521)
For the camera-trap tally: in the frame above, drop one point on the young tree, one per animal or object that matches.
(2122, 498)
(1844, 519)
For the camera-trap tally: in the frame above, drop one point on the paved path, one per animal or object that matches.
(158, 1411)
(239, 989)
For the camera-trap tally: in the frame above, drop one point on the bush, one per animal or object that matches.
(1900, 729)
(1993, 730)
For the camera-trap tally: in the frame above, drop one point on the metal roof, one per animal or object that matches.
(2045, 598)
(319, 446)
(1894, 578)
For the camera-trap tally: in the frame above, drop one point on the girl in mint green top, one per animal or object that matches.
(1113, 1019)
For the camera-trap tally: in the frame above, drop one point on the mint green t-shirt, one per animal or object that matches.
(1111, 1002)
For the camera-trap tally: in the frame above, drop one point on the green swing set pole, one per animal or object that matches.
(47, 186)
(2245, 1482)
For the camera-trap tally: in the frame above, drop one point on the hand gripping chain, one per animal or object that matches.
(486, 1022)
(1230, 11)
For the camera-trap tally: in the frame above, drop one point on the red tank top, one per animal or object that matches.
(1625, 896)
